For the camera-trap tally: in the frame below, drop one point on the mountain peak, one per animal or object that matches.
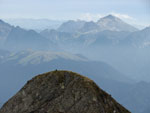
(62, 92)
(114, 23)
(110, 16)
(71, 26)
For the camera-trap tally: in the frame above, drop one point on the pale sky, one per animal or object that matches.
(132, 11)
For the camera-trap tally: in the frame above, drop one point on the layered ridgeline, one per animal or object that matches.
(16, 38)
(69, 33)
(61, 92)
(5, 29)
(109, 22)
(36, 24)
(74, 35)
(108, 30)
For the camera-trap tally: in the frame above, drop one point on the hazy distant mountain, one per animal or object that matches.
(89, 27)
(140, 39)
(3, 54)
(57, 36)
(90, 38)
(113, 23)
(102, 38)
(147, 110)
(4, 31)
(16, 38)
(109, 22)
(68, 35)
(30, 57)
(26, 58)
(21, 39)
(109, 30)
(134, 96)
(35, 24)
(140, 95)
(71, 26)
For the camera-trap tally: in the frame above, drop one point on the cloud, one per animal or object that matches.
(122, 16)
(95, 17)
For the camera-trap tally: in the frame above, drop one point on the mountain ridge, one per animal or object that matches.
(109, 22)
(60, 92)
(114, 23)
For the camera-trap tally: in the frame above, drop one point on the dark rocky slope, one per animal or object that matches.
(62, 92)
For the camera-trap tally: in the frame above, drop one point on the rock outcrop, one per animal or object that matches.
(62, 92)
